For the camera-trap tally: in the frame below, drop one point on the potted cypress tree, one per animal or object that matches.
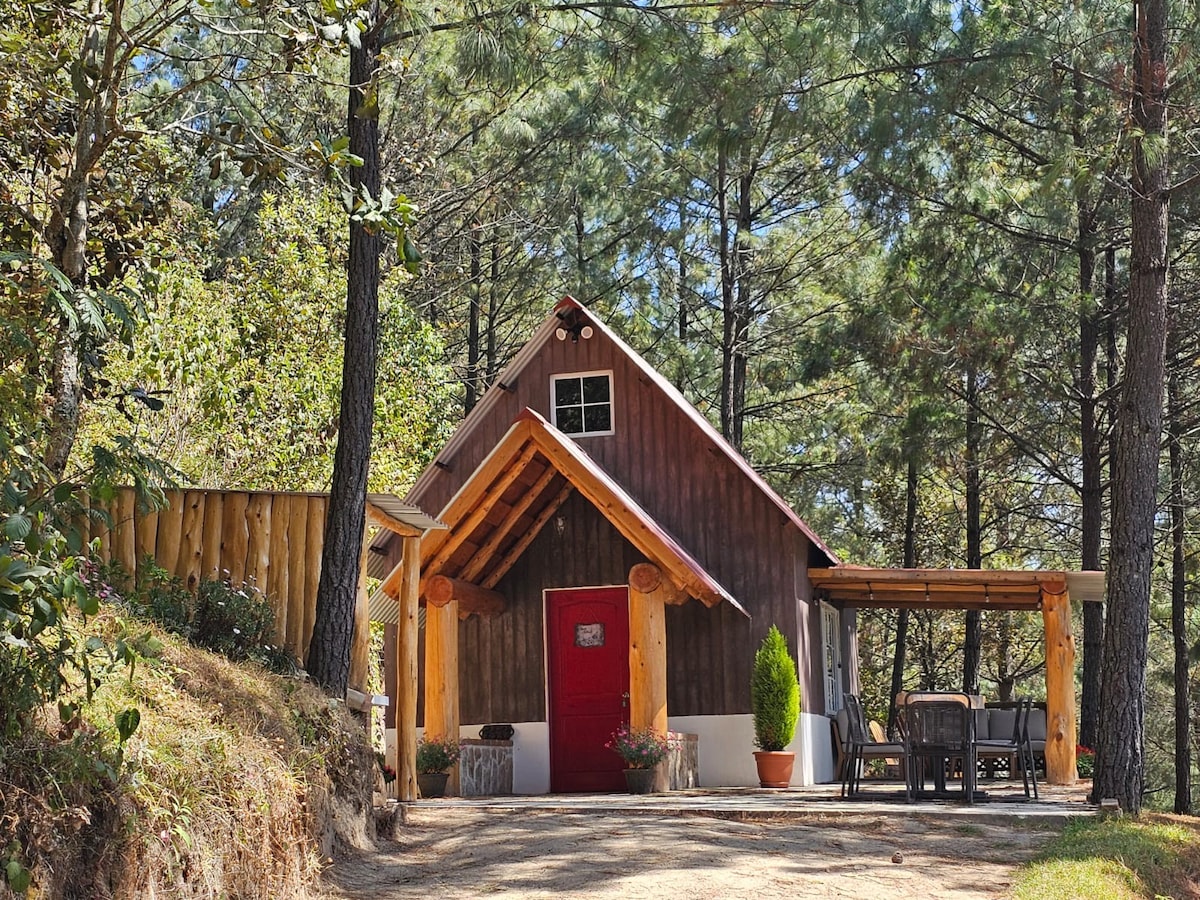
(775, 703)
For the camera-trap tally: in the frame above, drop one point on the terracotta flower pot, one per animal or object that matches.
(639, 781)
(774, 767)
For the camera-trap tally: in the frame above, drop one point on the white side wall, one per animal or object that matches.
(727, 749)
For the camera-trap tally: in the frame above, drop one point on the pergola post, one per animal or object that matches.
(649, 593)
(1060, 684)
(441, 677)
(405, 763)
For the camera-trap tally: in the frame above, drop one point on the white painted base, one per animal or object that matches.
(726, 751)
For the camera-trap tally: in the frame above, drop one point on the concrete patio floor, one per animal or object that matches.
(1006, 802)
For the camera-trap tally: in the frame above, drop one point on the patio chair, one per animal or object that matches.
(939, 730)
(1008, 737)
(862, 747)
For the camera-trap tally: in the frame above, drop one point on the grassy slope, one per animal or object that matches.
(237, 783)
(1117, 859)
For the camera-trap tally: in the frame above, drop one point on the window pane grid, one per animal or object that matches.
(583, 404)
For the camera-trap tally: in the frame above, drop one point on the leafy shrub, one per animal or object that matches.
(436, 755)
(774, 693)
(236, 622)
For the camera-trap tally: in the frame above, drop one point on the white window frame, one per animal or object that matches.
(612, 418)
(831, 656)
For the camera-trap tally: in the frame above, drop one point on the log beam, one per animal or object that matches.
(405, 701)
(377, 516)
(647, 578)
(648, 653)
(360, 642)
(471, 597)
(441, 676)
(1060, 688)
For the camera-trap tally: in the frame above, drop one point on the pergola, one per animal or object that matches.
(1049, 592)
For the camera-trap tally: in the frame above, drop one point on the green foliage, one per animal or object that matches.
(436, 755)
(237, 622)
(774, 693)
(252, 362)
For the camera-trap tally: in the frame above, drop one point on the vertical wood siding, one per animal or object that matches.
(692, 488)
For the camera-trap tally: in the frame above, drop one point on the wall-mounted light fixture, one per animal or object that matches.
(574, 325)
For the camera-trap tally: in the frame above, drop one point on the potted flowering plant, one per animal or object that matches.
(435, 756)
(641, 750)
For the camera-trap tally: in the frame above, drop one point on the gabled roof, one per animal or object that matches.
(535, 345)
(517, 489)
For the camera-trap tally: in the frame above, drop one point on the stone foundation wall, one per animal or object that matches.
(485, 768)
(683, 762)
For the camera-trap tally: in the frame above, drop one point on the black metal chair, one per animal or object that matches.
(1015, 746)
(938, 730)
(861, 747)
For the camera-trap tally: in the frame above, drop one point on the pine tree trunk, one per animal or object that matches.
(473, 354)
(1090, 439)
(1120, 751)
(910, 562)
(1183, 731)
(973, 633)
(329, 651)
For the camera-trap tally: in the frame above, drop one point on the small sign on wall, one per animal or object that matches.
(589, 635)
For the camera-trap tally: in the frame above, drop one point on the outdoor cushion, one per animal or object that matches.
(1037, 725)
(1000, 723)
(982, 726)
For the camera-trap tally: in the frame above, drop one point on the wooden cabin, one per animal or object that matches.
(609, 558)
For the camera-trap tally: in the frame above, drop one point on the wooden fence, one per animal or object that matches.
(271, 540)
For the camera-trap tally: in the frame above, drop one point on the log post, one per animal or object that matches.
(441, 677)
(170, 533)
(360, 643)
(258, 546)
(145, 536)
(1060, 684)
(210, 558)
(124, 546)
(405, 701)
(278, 571)
(314, 543)
(191, 541)
(648, 592)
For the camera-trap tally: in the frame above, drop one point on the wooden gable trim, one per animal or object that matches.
(531, 437)
(474, 506)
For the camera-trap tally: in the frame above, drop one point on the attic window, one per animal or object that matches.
(582, 403)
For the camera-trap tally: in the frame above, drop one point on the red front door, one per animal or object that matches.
(587, 634)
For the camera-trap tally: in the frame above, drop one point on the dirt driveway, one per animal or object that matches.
(468, 853)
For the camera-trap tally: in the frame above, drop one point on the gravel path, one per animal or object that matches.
(469, 853)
